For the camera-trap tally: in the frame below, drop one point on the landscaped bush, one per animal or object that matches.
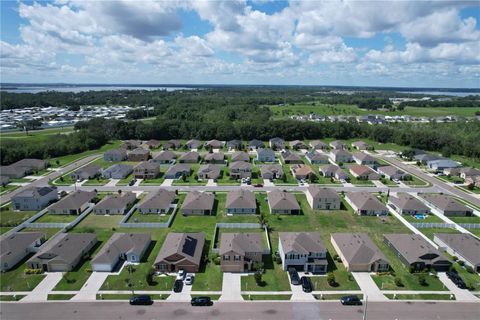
(33, 271)
(331, 279)
(469, 269)
(461, 262)
(454, 258)
(422, 280)
(278, 259)
(398, 282)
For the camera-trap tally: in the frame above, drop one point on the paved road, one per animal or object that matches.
(241, 310)
(437, 182)
(55, 174)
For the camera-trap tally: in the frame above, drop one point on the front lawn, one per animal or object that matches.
(410, 282)
(11, 218)
(16, 280)
(273, 279)
(138, 217)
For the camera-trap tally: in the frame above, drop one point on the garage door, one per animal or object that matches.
(105, 267)
(297, 267)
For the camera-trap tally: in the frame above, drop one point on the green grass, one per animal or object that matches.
(11, 218)
(111, 296)
(225, 178)
(35, 136)
(430, 231)
(473, 219)
(7, 189)
(467, 190)
(288, 179)
(151, 217)
(358, 182)
(409, 281)
(60, 296)
(63, 160)
(16, 280)
(416, 182)
(49, 232)
(190, 180)
(126, 180)
(343, 278)
(56, 218)
(429, 218)
(96, 182)
(424, 296)
(273, 279)
(11, 298)
(267, 297)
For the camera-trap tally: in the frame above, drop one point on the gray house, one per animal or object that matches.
(315, 157)
(209, 171)
(115, 203)
(277, 143)
(34, 198)
(338, 145)
(416, 253)
(464, 246)
(240, 156)
(88, 172)
(63, 253)
(157, 202)
(164, 157)
(441, 164)
(198, 203)
(329, 170)
(74, 203)
(255, 144)
(298, 144)
(272, 171)
(176, 171)
(393, 173)
(364, 159)
(340, 155)
(447, 205)
(172, 144)
(115, 155)
(13, 172)
(241, 201)
(215, 157)
(265, 155)
(117, 171)
(240, 169)
(17, 246)
(121, 247)
(189, 157)
(215, 144)
(323, 198)
(405, 203)
(281, 202)
(361, 145)
(193, 144)
(234, 144)
(181, 251)
(318, 145)
(366, 204)
(291, 157)
(303, 251)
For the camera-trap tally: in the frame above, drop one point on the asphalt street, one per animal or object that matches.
(240, 311)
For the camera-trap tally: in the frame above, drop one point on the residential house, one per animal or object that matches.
(74, 203)
(13, 172)
(265, 155)
(255, 144)
(117, 171)
(152, 144)
(340, 156)
(198, 203)
(323, 198)
(139, 154)
(318, 145)
(272, 171)
(214, 144)
(146, 170)
(234, 144)
(165, 157)
(240, 156)
(131, 144)
(177, 171)
(241, 201)
(405, 203)
(31, 165)
(469, 172)
(363, 172)
(118, 203)
(181, 251)
(193, 144)
(34, 198)
(423, 158)
(209, 171)
(215, 157)
(315, 157)
(189, 157)
(121, 247)
(277, 143)
(291, 157)
(172, 144)
(4, 180)
(115, 155)
(301, 171)
(453, 171)
(240, 170)
(359, 253)
(416, 253)
(303, 251)
(393, 173)
(16, 246)
(464, 246)
(366, 204)
(90, 171)
(329, 170)
(447, 205)
(473, 180)
(364, 159)
(338, 145)
(297, 144)
(238, 251)
(63, 252)
(158, 202)
(341, 175)
(282, 202)
(361, 145)
(441, 164)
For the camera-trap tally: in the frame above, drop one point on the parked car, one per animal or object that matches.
(189, 279)
(306, 284)
(178, 286)
(181, 275)
(455, 277)
(201, 301)
(294, 278)
(143, 300)
(350, 301)
(132, 182)
(258, 185)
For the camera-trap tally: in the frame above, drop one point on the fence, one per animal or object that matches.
(420, 225)
(239, 225)
(125, 224)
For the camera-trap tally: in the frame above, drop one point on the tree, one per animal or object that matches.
(258, 277)
(331, 279)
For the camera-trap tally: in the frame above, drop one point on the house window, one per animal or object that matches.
(133, 258)
(226, 258)
(237, 258)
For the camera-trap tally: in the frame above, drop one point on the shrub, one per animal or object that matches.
(398, 282)
(278, 260)
(335, 257)
(469, 269)
(461, 262)
(331, 279)
(258, 277)
(217, 260)
(33, 271)
(422, 280)
(454, 258)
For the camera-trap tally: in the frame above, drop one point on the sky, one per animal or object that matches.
(354, 43)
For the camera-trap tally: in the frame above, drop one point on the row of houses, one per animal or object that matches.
(22, 168)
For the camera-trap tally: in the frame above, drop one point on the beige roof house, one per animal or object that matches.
(405, 203)
(115, 203)
(282, 202)
(302, 171)
(215, 157)
(447, 205)
(291, 157)
(157, 202)
(317, 144)
(74, 203)
(302, 250)
(189, 157)
(363, 172)
(146, 170)
(238, 251)
(361, 145)
(165, 157)
(297, 144)
(364, 203)
(216, 144)
(16, 246)
(198, 203)
(241, 201)
(464, 246)
(271, 171)
(323, 198)
(359, 253)
(240, 156)
(363, 158)
(209, 171)
(181, 251)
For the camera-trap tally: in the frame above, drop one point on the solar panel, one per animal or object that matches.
(189, 246)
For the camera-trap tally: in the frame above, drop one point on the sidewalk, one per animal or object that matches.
(232, 286)
(40, 293)
(211, 183)
(112, 183)
(368, 286)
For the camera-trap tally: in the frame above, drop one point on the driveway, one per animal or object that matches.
(232, 287)
(112, 182)
(460, 294)
(268, 183)
(378, 183)
(91, 287)
(41, 291)
(211, 183)
(167, 183)
(137, 183)
(181, 296)
(368, 286)
(298, 294)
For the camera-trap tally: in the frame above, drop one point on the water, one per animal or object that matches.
(75, 89)
(443, 93)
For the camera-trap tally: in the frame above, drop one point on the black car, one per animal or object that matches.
(132, 182)
(141, 300)
(350, 301)
(306, 284)
(178, 286)
(294, 278)
(201, 301)
(456, 279)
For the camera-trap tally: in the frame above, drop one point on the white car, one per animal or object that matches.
(181, 274)
(189, 279)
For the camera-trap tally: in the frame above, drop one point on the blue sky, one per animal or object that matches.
(405, 43)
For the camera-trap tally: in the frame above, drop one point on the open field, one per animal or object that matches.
(35, 135)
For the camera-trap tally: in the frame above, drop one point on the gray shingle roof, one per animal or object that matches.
(241, 198)
(122, 243)
(191, 155)
(241, 243)
(444, 202)
(198, 200)
(160, 199)
(413, 247)
(17, 242)
(301, 242)
(358, 248)
(187, 245)
(240, 156)
(465, 244)
(280, 200)
(116, 201)
(74, 200)
(35, 192)
(365, 201)
(215, 156)
(322, 193)
(165, 156)
(240, 165)
(405, 201)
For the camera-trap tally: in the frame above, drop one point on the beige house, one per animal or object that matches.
(238, 251)
(146, 170)
(323, 198)
(74, 203)
(240, 169)
(241, 201)
(302, 171)
(139, 154)
(281, 202)
(215, 157)
(359, 253)
(366, 204)
(198, 203)
(157, 202)
(115, 203)
(16, 246)
(181, 251)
